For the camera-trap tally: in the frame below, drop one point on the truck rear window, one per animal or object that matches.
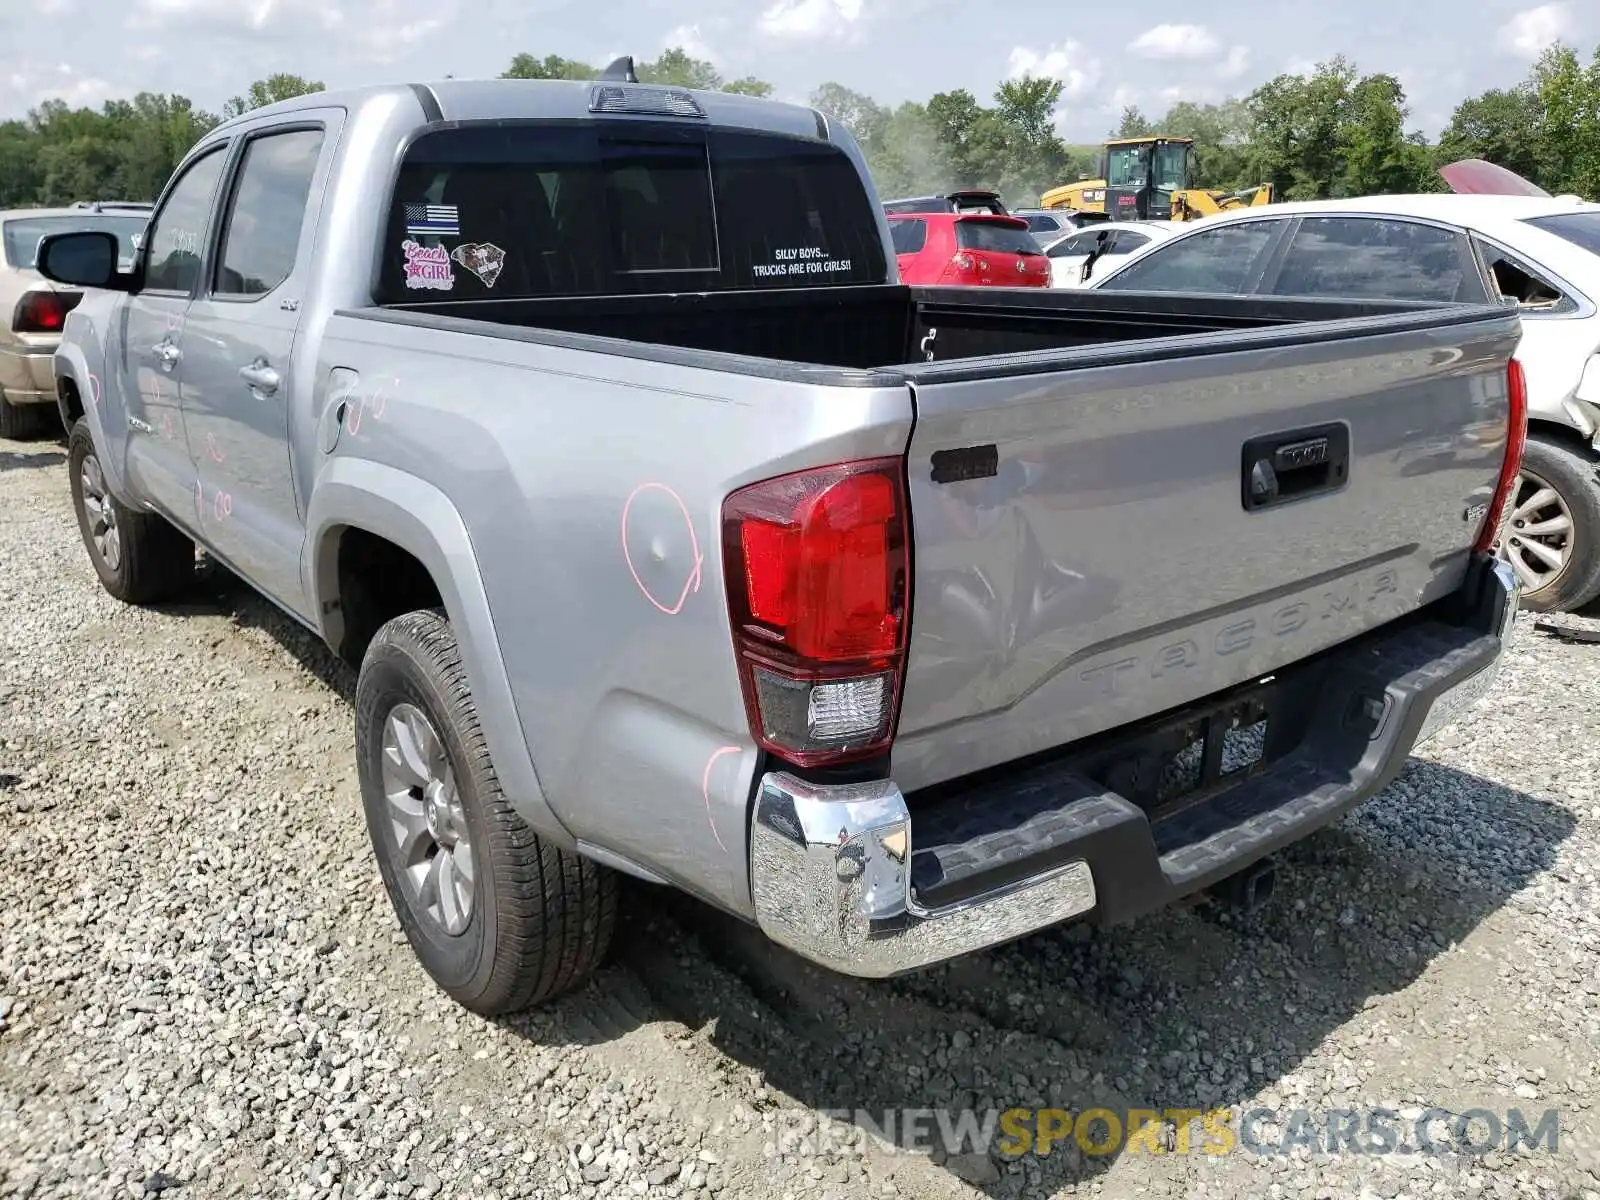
(998, 236)
(569, 209)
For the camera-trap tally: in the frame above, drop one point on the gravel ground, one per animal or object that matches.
(203, 990)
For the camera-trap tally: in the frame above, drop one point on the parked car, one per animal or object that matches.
(672, 536)
(966, 200)
(33, 310)
(1540, 254)
(1074, 258)
(972, 250)
(1051, 224)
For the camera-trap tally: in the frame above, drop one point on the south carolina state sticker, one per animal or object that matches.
(428, 267)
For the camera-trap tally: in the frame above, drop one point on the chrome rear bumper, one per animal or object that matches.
(832, 871)
(831, 878)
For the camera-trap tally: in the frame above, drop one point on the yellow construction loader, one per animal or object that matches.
(1150, 179)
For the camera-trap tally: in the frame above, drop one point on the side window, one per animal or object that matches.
(177, 234)
(265, 214)
(909, 236)
(1220, 260)
(1372, 258)
(1127, 242)
(1081, 243)
(1516, 280)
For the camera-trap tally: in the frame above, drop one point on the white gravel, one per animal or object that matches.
(203, 991)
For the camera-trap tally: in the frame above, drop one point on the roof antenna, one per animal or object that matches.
(620, 71)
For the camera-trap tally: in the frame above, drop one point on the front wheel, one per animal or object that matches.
(1552, 537)
(139, 556)
(498, 918)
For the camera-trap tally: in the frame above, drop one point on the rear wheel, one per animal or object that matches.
(499, 918)
(1552, 537)
(140, 557)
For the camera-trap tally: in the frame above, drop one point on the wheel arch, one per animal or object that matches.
(81, 393)
(366, 518)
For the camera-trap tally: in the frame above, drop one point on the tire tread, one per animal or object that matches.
(556, 911)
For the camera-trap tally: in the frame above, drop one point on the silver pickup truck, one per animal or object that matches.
(673, 537)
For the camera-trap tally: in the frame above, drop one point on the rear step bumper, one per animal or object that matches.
(838, 878)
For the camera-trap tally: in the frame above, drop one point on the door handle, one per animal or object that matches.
(260, 377)
(167, 354)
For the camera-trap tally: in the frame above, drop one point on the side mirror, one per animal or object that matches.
(87, 258)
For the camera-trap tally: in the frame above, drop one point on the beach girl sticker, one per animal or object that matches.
(428, 267)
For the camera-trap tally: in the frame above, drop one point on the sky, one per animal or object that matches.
(1105, 55)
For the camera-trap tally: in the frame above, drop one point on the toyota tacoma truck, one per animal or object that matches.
(673, 537)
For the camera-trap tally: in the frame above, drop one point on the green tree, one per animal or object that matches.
(1133, 124)
(1221, 134)
(551, 66)
(1502, 126)
(675, 68)
(1377, 157)
(1570, 95)
(269, 91)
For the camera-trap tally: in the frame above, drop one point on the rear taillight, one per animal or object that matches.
(818, 592)
(1516, 439)
(43, 312)
(965, 268)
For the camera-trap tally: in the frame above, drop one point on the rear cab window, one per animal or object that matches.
(542, 209)
(999, 237)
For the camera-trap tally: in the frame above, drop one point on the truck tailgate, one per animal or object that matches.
(1089, 549)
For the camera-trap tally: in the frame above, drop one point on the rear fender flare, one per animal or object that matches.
(417, 517)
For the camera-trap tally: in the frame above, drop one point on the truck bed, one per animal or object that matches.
(872, 328)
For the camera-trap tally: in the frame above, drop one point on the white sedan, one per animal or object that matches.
(1540, 253)
(1099, 246)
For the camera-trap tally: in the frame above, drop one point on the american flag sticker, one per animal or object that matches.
(438, 220)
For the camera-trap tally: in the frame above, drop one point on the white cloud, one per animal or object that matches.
(1069, 62)
(281, 18)
(1529, 32)
(1237, 63)
(30, 84)
(386, 43)
(811, 20)
(1176, 41)
(1303, 67)
(691, 41)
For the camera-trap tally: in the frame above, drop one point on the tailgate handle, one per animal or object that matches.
(1280, 467)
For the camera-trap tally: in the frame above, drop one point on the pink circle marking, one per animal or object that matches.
(94, 389)
(692, 583)
(380, 398)
(211, 448)
(705, 790)
(353, 416)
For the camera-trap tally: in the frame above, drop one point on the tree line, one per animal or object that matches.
(1332, 131)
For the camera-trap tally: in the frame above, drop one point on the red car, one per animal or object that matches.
(967, 249)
